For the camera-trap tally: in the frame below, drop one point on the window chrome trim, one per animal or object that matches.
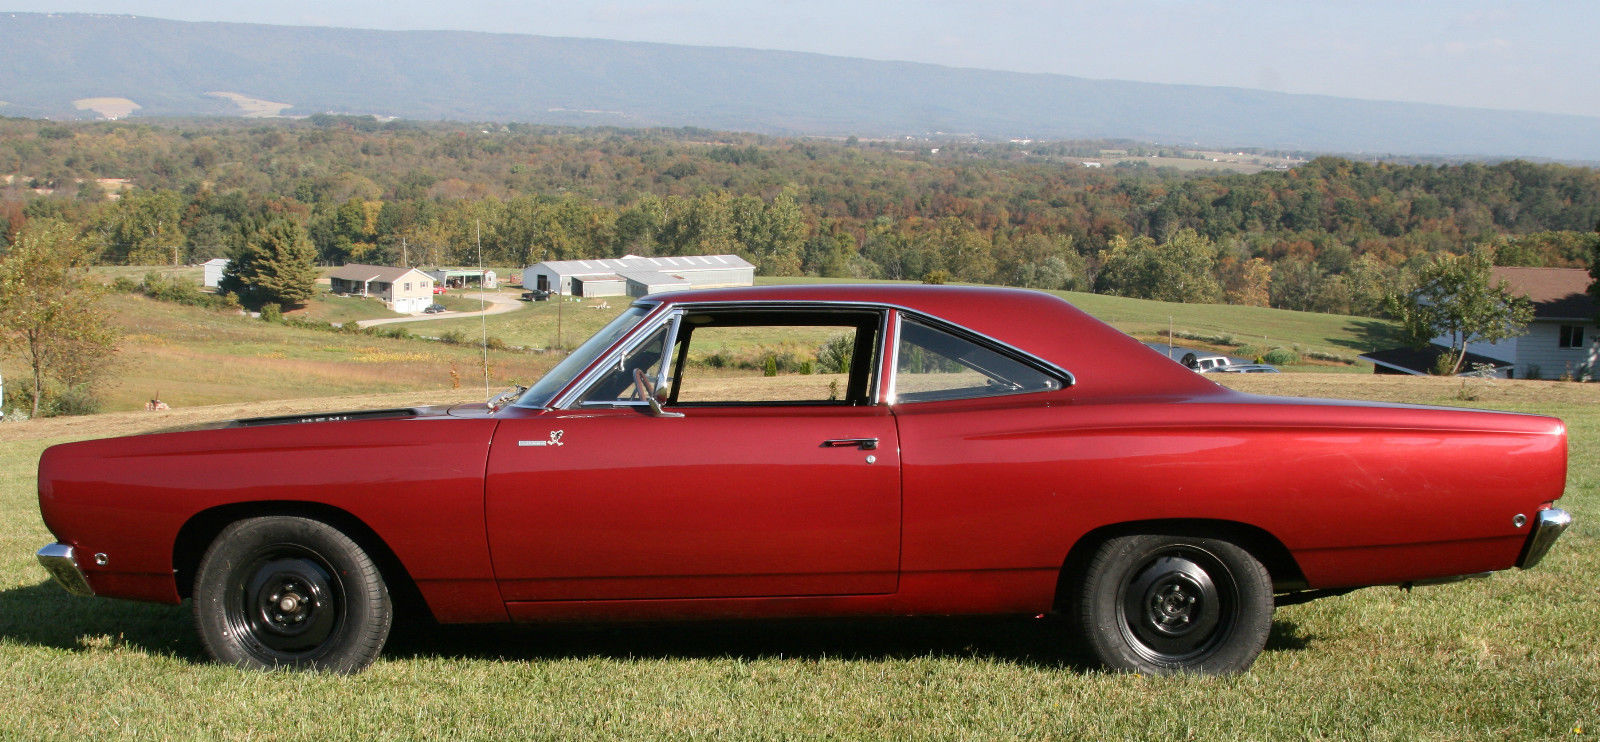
(880, 352)
(567, 399)
(667, 345)
(894, 361)
(999, 346)
(578, 382)
(1068, 378)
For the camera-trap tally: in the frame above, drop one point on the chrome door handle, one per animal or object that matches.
(865, 444)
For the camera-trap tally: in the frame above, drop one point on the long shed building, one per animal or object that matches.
(636, 276)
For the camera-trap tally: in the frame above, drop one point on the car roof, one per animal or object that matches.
(1102, 359)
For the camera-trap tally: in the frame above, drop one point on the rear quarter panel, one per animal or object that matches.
(1358, 494)
(417, 483)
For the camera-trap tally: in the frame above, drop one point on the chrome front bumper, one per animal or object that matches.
(59, 560)
(1547, 527)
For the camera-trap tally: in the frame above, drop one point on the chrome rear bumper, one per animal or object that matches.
(1546, 529)
(59, 560)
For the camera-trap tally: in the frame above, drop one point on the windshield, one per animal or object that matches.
(540, 393)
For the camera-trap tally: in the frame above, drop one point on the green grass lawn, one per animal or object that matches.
(538, 324)
(341, 309)
(1516, 656)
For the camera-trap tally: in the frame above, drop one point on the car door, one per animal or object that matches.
(605, 500)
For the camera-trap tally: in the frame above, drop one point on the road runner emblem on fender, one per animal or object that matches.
(555, 440)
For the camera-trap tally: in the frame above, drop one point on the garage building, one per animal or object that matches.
(636, 276)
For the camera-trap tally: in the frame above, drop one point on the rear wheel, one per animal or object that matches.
(1163, 604)
(283, 591)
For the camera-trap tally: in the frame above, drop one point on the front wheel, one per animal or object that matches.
(1162, 604)
(282, 591)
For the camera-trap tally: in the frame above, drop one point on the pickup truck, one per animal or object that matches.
(1203, 364)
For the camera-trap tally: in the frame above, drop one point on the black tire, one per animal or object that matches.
(1162, 604)
(288, 592)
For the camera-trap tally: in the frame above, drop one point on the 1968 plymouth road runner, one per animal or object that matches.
(810, 451)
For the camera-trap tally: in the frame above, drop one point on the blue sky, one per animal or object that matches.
(1526, 55)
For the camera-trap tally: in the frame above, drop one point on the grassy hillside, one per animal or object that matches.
(1511, 657)
(189, 356)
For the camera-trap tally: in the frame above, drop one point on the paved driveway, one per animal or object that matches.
(498, 304)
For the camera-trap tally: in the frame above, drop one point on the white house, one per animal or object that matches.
(213, 271)
(635, 276)
(405, 290)
(1561, 341)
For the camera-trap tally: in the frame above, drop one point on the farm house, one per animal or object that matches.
(404, 290)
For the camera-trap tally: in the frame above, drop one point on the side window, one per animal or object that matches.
(754, 356)
(934, 364)
(617, 384)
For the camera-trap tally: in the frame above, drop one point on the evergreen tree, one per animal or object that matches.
(276, 264)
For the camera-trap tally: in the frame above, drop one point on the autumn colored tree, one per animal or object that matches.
(275, 265)
(1179, 269)
(1453, 296)
(142, 228)
(48, 309)
(1251, 284)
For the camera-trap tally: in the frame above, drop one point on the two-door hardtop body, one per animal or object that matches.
(948, 451)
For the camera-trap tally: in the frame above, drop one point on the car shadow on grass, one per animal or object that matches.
(1024, 641)
(44, 615)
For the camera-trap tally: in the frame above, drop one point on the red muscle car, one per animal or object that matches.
(810, 451)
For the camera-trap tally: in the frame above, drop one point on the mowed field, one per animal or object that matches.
(190, 356)
(1516, 656)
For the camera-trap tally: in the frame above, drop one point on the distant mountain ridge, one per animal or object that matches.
(176, 68)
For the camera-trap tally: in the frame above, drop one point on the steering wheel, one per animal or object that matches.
(643, 386)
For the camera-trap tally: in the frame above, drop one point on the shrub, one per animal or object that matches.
(271, 312)
(834, 356)
(124, 285)
(54, 402)
(1324, 356)
(1444, 364)
(937, 277)
(770, 368)
(1281, 357)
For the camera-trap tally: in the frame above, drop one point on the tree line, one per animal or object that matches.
(1332, 235)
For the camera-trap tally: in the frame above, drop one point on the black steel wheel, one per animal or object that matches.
(1162, 604)
(282, 591)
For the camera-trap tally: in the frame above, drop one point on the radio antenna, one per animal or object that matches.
(483, 309)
